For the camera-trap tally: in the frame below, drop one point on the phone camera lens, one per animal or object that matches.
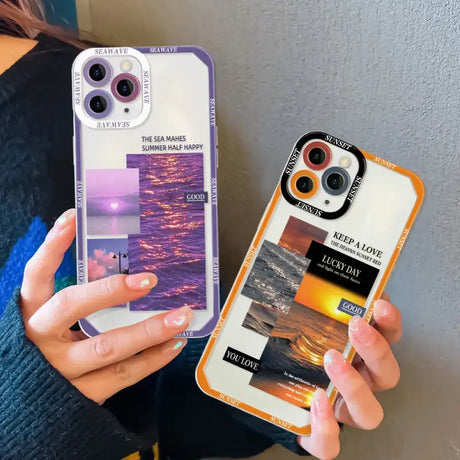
(98, 104)
(335, 181)
(317, 156)
(97, 72)
(125, 87)
(304, 184)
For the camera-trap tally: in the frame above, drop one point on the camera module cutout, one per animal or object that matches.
(112, 87)
(322, 175)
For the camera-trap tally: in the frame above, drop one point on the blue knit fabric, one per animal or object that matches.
(12, 272)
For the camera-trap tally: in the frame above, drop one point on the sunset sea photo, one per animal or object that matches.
(112, 201)
(292, 361)
(172, 244)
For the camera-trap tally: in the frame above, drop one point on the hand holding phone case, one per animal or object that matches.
(145, 173)
(322, 254)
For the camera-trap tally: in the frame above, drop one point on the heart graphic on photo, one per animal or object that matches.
(114, 205)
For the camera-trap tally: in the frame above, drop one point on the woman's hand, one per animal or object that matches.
(105, 364)
(375, 369)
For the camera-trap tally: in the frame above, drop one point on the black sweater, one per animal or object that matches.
(42, 415)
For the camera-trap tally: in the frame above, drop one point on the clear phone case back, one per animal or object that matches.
(317, 260)
(145, 174)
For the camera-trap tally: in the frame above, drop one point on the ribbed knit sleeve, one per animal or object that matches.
(42, 415)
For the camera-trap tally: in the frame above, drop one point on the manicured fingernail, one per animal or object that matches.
(65, 219)
(388, 312)
(61, 224)
(333, 360)
(141, 281)
(321, 404)
(179, 344)
(144, 283)
(361, 330)
(178, 317)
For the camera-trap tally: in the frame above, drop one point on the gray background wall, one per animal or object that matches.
(382, 75)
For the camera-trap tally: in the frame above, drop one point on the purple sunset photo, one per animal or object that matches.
(112, 201)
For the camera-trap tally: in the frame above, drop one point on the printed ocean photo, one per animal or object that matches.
(275, 276)
(325, 297)
(260, 318)
(292, 361)
(172, 243)
(112, 201)
(298, 235)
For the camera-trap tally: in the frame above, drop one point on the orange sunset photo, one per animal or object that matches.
(292, 361)
(298, 235)
(324, 297)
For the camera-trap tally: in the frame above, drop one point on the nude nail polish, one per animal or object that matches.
(64, 219)
(334, 360)
(175, 346)
(141, 281)
(178, 318)
(321, 403)
(360, 330)
(178, 345)
(389, 313)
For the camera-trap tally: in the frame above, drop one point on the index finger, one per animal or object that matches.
(387, 320)
(324, 440)
(38, 283)
(119, 344)
(75, 302)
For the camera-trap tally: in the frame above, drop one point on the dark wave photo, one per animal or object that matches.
(292, 362)
(172, 243)
(260, 318)
(275, 277)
